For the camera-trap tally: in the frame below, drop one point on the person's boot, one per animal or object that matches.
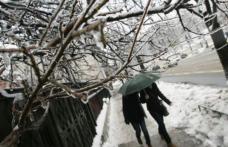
(171, 145)
(139, 140)
(149, 145)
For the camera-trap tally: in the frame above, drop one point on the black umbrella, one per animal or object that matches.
(138, 82)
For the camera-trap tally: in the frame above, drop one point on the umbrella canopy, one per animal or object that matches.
(138, 82)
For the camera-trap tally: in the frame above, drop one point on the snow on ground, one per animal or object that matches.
(184, 113)
(100, 126)
(118, 131)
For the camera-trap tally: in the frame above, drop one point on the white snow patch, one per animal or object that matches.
(184, 112)
(100, 125)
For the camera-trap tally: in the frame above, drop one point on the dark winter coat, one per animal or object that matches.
(153, 103)
(132, 108)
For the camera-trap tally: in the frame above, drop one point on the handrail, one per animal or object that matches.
(212, 110)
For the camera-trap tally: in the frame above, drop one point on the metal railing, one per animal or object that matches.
(201, 107)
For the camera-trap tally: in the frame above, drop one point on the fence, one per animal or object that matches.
(67, 123)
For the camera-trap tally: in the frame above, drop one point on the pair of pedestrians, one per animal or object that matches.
(134, 114)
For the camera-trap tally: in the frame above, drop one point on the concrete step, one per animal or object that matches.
(179, 138)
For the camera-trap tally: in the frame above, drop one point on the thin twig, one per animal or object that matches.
(52, 66)
(126, 63)
(51, 20)
(34, 64)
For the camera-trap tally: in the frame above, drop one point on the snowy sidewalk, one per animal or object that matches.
(179, 138)
(209, 128)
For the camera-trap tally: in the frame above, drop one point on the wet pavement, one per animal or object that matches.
(203, 69)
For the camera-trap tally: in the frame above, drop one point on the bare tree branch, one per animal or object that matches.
(51, 20)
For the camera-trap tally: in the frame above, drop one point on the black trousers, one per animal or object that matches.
(138, 126)
(161, 126)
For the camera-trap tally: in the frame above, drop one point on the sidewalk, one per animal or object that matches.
(187, 126)
(179, 138)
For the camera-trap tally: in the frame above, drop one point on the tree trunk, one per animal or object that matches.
(221, 47)
(140, 61)
(217, 34)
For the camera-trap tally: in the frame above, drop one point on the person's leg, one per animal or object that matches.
(161, 126)
(145, 131)
(137, 129)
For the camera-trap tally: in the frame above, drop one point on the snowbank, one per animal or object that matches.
(184, 113)
(97, 141)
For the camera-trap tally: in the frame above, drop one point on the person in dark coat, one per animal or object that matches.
(150, 96)
(133, 113)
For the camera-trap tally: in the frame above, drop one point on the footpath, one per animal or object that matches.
(179, 138)
(122, 135)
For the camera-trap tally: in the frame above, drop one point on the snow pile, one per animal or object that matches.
(100, 126)
(184, 113)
